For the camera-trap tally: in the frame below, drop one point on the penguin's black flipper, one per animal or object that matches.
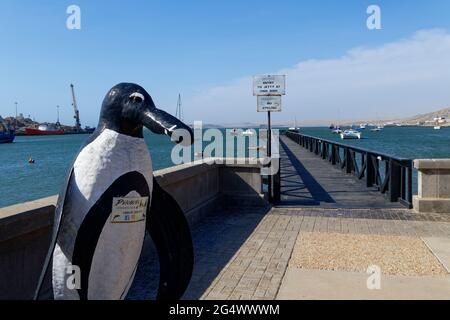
(170, 232)
(44, 288)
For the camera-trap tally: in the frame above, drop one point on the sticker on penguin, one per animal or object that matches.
(108, 204)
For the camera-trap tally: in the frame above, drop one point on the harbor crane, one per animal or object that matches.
(77, 112)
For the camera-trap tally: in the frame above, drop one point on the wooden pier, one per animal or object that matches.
(307, 180)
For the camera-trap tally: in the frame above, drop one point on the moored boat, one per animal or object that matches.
(44, 130)
(294, 128)
(249, 133)
(6, 135)
(351, 134)
(336, 131)
(234, 132)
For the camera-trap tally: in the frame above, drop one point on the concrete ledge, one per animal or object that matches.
(434, 186)
(18, 220)
(431, 205)
(427, 164)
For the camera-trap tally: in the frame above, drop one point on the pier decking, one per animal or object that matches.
(309, 181)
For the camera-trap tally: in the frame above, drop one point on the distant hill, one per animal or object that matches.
(423, 118)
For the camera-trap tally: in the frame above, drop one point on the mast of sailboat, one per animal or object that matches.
(15, 121)
(178, 113)
(57, 115)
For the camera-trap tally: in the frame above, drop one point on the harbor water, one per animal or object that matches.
(53, 155)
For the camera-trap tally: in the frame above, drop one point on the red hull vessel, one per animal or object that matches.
(37, 132)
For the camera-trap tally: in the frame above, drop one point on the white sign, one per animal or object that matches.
(269, 85)
(269, 103)
(128, 210)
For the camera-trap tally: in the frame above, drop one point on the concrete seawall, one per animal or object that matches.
(199, 188)
(434, 186)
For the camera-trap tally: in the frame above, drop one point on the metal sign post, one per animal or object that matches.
(269, 89)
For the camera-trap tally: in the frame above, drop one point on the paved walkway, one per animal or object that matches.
(244, 253)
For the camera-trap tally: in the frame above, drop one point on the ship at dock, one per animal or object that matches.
(25, 126)
(7, 135)
(44, 130)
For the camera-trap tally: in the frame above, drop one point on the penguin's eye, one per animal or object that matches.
(137, 97)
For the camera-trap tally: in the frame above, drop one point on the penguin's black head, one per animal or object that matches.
(127, 108)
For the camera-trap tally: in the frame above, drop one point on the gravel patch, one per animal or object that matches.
(395, 255)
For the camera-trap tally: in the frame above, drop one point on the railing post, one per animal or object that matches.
(409, 197)
(333, 154)
(370, 170)
(394, 180)
(277, 184)
(348, 160)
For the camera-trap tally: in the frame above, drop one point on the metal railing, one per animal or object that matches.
(392, 176)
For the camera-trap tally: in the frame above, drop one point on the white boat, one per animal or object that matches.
(295, 128)
(336, 131)
(234, 132)
(249, 133)
(362, 127)
(377, 129)
(351, 134)
(437, 128)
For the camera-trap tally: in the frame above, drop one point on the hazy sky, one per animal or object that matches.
(208, 51)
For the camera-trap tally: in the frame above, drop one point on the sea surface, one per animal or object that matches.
(20, 181)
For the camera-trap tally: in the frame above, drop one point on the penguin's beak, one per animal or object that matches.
(161, 122)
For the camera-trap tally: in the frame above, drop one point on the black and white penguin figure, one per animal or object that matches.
(108, 204)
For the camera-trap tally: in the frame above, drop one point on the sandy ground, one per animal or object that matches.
(395, 255)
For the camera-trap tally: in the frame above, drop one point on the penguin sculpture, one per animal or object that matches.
(110, 201)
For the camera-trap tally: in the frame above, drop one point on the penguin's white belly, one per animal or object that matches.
(115, 259)
(98, 166)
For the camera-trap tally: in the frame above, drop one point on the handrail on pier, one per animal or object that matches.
(391, 175)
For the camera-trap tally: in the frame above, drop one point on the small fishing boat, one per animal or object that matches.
(437, 128)
(351, 134)
(249, 133)
(336, 131)
(234, 132)
(377, 128)
(294, 128)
